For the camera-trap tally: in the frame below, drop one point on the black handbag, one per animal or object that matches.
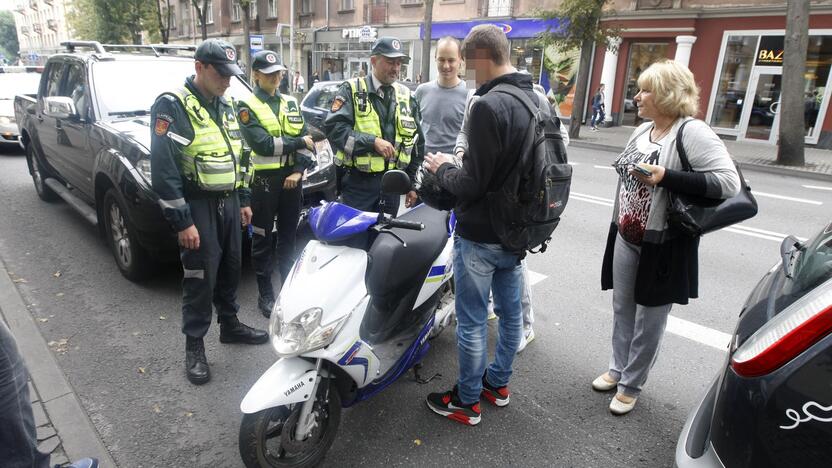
(694, 216)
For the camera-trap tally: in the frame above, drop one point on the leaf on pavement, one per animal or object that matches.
(188, 414)
(60, 294)
(418, 442)
(162, 317)
(57, 274)
(59, 346)
(20, 280)
(156, 408)
(43, 320)
(141, 370)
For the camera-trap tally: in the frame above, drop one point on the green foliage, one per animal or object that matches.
(580, 22)
(112, 21)
(8, 36)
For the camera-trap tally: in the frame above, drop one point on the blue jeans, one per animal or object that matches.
(597, 116)
(478, 269)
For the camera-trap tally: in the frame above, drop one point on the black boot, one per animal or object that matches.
(234, 331)
(196, 365)
(265, 298)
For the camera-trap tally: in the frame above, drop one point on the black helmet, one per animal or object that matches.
(431, 193)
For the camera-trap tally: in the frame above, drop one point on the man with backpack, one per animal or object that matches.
(491, 239)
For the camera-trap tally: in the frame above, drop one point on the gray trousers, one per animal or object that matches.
(637, 330)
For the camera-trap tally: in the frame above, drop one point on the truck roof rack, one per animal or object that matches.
(99, 48)
(71, 45)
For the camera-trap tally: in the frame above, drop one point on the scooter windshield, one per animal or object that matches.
(333, 221)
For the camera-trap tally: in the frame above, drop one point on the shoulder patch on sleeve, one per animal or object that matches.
(161, 126)
(337, 103)
(245, 116)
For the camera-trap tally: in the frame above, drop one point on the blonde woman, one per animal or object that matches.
(649, 267)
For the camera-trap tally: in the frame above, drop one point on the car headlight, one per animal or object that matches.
(143, 166)
(303, 334)
(323, 157)
(5, 120)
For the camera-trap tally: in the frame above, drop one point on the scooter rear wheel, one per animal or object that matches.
(267, 438)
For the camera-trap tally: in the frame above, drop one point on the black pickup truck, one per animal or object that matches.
(87, 139)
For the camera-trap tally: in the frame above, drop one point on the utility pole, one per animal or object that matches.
(427, 41)
(246, 6)
(790, 150)
(291, 37)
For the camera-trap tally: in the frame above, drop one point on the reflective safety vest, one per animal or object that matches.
(368, 121)
(289, 123)
(211, 159)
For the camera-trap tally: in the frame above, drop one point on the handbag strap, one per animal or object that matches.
(680, 147)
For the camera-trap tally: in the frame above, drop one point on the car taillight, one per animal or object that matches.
(788, 334)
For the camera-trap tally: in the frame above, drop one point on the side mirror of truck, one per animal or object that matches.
(59, 107)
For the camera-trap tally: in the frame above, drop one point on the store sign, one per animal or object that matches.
(363, 34)
(256, 42)
(514, 29)
(770, 51)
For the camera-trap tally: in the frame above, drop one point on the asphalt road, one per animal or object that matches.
(120, 346)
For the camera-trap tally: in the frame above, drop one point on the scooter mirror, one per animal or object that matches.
(395, 182)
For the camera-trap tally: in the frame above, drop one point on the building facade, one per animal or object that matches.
(41, 27)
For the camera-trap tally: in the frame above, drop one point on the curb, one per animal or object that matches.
(768, 168)
(75, 430)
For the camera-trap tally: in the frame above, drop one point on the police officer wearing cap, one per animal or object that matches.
(374, 125)
(273, 126)
(198, 169)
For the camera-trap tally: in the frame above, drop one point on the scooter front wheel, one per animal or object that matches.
(267, 438)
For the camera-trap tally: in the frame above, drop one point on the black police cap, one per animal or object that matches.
(220, 54)
(266, 61)
(389, 47)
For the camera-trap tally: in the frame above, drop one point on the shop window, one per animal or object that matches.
(272, 8)
(642, 55)
(236, 12)
(818, 60)
(733, 81)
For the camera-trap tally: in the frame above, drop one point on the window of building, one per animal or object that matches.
(733, 81)
(347, 5)
(209, 15)
(305, 7)
(172, 19)
(252, 9)
(272, 8)
(236, 12)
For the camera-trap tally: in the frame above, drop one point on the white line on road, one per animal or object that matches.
(609, 168)
(574, 164)
(817, 187)
(591, 199)
(535, 277)
(698, 333)
(783, 197)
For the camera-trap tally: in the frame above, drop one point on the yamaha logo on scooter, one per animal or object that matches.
(294, 388)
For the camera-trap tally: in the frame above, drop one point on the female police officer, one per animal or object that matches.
(272, 125)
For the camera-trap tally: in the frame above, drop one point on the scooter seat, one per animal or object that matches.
(392, 265)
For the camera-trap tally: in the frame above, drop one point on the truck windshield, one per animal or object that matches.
(126, 87)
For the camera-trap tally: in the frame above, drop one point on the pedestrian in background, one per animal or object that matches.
(648, 267)
(299, 83)
(314, 78)
(442, 101)
(598, 115)
(499, 122)
(284, 84)
(204, 198)
(273, 127)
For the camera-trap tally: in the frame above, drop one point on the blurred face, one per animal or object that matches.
(268, 82)
(478, 67)
(447, 60)
(210, 81)
(386, 69)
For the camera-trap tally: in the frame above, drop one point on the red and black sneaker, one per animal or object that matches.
(447, 404)
(496, 395)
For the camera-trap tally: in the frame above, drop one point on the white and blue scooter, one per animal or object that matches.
(354, 315)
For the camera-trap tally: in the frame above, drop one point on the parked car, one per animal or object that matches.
(14, 81)
(87, 139)
(771, 404)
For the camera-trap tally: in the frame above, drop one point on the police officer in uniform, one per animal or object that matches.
(273, 126)
(374, 125)
(198, 170)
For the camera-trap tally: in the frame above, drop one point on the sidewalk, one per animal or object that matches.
(63, 427)
(759, 156)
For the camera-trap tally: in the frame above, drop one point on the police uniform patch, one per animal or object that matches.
(245, 117)
(229, 53)
(296, 119)
(337, 104)
(271, 58)
(161, 126)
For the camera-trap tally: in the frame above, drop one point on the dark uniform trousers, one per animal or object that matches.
(362, 191)
(212, 272)
(269, 198)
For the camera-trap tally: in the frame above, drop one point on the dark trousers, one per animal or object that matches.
(270, 199)
(18, 438)
(362, 191)
(212, 272)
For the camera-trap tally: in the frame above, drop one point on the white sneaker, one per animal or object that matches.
(603, 383)
(528, 337)
(619, 407)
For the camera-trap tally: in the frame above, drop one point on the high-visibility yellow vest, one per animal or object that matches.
(289, 123)
(211, 159)
(368, 121)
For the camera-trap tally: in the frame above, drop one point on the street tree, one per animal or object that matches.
(163, 19)
(201, 13)
(427, 40)
(246, 6)
(8, 36)
(790, 151)
(579, 27)
(111, 21)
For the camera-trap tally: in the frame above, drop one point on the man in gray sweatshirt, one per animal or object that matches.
(442, 101)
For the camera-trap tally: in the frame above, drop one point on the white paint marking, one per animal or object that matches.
(817, 187)
(698, 333)
(535, 277)
(783, 197)
(608, 168)
(591, 199)
(574, 164)
(759, 233)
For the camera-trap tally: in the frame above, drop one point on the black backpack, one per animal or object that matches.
(526, 208)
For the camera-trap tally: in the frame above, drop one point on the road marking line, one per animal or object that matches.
(817, 187)
(783, 197)
(591, 199)
(759, 233)
(574, 164)
(698, 333)
(608, 168)
(535, 277)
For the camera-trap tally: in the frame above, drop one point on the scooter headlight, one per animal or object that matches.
(303, 334)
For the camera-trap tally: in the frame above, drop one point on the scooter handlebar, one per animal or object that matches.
(404, 224)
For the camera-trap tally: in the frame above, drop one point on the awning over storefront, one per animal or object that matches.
(514, 28)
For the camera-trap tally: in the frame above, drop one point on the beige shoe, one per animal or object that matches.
(622, 404)
(604, 383)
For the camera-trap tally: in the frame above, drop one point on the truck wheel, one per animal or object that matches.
(132, 260)
(39, 174)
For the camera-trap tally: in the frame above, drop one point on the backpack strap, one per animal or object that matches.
(521, 95)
